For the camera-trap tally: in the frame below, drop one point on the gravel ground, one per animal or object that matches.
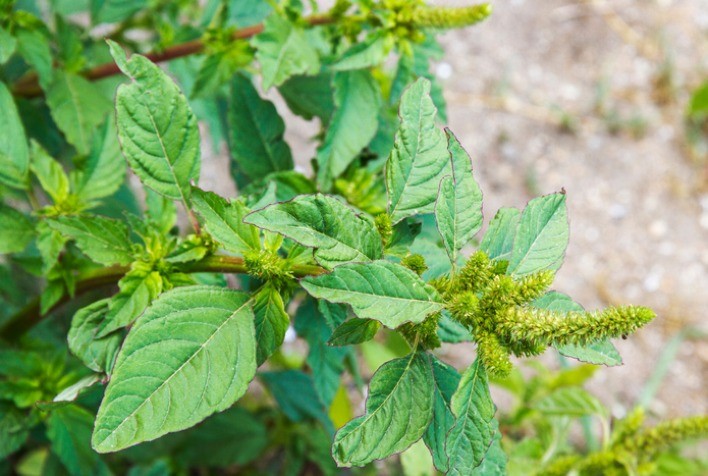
(638, 205)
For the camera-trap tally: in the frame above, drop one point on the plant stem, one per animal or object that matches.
(30, 315)
(29, 86)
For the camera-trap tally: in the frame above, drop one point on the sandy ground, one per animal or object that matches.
(638, 205)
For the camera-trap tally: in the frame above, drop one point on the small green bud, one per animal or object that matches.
(533, 286)
(464, 308)
(267, 266)
(450, 17)
(492, 354)
(384, 226)
(476, 272)
(425, 332)
(667, 434)
(415, 263)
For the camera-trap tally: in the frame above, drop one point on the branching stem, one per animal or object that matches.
(30, 315)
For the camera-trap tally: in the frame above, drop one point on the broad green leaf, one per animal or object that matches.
(8, 43)
(16, 230)
(95, 352)
(33, 46)
(398, 411)
(354, 331)
(256, 143)
(104, 240)
(233, 437)
(419, 159)
(353, 124)
(69, 430)
(114, 11)
(78, 107)
(192, 338)
(72, 392)
(541, 237)
(14, 153)
(494, 463)
(137, 290)
(601, 352)
(458, 210)
(366, 54)
(471, 436)
(445, 382)
(248, 12)
(104, 170)
(309, 96)
(326, 363)
(271, 321)
(50, 174)
(295, 393)
(380, 290)
(13, 428)
(224, 221)
(498, 240)
(336, 231)
(283, 50)
(570, 401)
(157, 129)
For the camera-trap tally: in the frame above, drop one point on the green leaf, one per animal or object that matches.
(33, 46)
(271, 321)
(698, 106)
(473, 431)
(224, 221)
(248, 12)
(416, 460)
(398, 411)
(283, 50)
(256, 142)
(233, 437)
(295, 393)
(8, 43)
(353, 124)
(95, 352)
(601, 352)
(380, 290)
(16, 230)
(419, 159)
(335, 230)
(458, 210)
(192, 338)
(114, 11)
(50, 174)
(542, 236)
(354, 331)
(365, 54)
(13, 428)
(570, 401)
(494, 463)
(445, 382)
(449, 330)
(14, 153)
(49, 243)
(157, 129)
(104, 240)
(137, 290)
(78, 108)
(327, 363)
(104, 170)
(69, 430)
(498, 241)
(309, 96)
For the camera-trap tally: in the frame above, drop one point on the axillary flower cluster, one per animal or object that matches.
(498, 310)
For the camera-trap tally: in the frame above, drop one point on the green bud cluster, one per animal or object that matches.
(632, 448)
(495, 307)
(384, 227)
(415, 263)
(541, 326)
(268, 266)
(424, 333)
(450, 17)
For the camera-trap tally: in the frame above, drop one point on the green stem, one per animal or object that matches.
(30, 315)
